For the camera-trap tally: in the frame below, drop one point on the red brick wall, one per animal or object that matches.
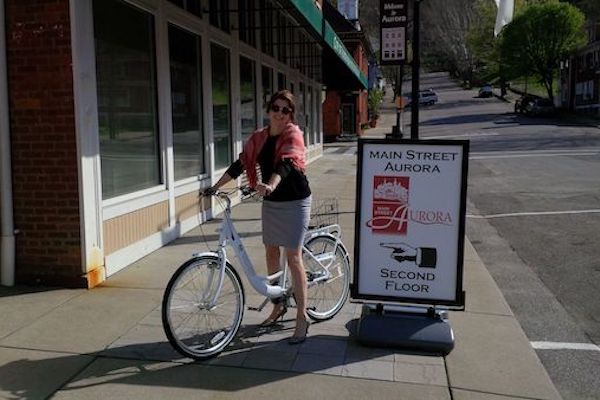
(45, 177)
(363, 110)
(362, 116)
(331, 116)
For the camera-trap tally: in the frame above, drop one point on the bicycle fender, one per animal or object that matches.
(206, 254)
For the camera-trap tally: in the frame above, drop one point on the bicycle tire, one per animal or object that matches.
(326, 298)
(194, 330)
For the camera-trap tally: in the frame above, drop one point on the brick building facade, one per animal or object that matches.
(44, 142)
(120, 111)
(580, 75)
(345, 110)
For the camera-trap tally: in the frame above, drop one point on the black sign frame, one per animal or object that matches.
(459, 297)
(395, 24)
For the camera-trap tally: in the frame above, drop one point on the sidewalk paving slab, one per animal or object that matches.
(109, 343)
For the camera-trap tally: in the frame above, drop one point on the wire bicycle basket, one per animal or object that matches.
(324, 212)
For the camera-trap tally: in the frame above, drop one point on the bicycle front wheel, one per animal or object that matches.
(199, 316)
(328, 275)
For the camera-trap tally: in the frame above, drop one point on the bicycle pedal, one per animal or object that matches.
(254, 308)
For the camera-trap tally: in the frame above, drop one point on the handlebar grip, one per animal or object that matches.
(211, 191)
(247, 190)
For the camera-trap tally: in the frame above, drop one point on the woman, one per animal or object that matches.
(279, 151)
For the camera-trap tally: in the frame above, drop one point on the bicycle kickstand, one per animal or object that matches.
(261, 306)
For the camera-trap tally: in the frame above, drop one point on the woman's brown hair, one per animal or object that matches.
(287, 96)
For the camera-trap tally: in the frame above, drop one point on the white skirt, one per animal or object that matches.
(284, 223)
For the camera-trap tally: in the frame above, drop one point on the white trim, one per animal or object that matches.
(7, 244)
(193, 222)
(165, 114)
(147, 199)
(86, 132)
(189, 185)
(122, 258)
(94, 209)
(126, 256)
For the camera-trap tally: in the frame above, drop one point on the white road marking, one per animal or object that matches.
(533, 154)
(472, 134)
(564, 346)
(525, 214)
(350, 152)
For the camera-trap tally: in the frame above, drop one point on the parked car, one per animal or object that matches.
(426, 97)
(486, 90)
(522, 102)
(539, 107)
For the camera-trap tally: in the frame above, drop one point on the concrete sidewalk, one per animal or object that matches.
(108, 342)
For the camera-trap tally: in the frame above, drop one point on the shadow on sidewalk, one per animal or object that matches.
(156, 364)
(502, 119)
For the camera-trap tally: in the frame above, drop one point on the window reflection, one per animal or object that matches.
(221, 105)
(247, 97)
(186, 100)
(126, 84)
(267, 89)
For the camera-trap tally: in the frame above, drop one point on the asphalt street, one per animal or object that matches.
(533, 217)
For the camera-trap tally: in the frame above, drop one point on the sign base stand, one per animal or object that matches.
(405, 327)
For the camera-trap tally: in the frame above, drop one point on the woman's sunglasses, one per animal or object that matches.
(284, 110)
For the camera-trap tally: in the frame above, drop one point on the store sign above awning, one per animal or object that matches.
(331, 40)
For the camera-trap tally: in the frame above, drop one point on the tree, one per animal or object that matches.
(445, 25)
(537, 40)
(375, 98)
(591, 8)
(481, 41)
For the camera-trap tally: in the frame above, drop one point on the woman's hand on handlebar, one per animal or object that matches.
(209, 191)
(264, 189)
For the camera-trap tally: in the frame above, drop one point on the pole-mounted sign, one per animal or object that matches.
(392, 31)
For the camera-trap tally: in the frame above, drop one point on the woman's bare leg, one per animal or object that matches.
(294, 259)
(273, 257)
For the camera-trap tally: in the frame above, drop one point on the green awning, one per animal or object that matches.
(334, 50)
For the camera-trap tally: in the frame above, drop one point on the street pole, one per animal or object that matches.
(416, 65)
(399, 103)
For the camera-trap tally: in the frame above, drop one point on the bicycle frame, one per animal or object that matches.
(229, 235)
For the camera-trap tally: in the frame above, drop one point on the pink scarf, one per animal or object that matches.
(289, 146)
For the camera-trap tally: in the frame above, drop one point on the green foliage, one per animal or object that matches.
(538, 38)
(481, 41)
(591, 8)
(374, 100)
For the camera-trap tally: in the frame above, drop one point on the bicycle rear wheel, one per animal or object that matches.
(198, 325)
(328, 276)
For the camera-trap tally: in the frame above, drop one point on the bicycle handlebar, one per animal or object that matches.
(246, 192)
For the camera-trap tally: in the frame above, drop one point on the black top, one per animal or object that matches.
(293, 185)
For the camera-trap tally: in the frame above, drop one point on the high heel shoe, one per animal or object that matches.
(273, 318)
(297, 339)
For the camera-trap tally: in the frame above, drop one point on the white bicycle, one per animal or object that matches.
(203, 304)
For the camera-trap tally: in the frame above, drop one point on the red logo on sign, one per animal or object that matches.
(390, 205)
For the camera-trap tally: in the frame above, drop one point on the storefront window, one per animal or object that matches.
(221, 105)
(219, 14)
(247, 21)
(309, 116)
(127, 100)
(186, 99)
(267, 89)
(266, 27)
(192, 6)
(301, 112)
(247, 97)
